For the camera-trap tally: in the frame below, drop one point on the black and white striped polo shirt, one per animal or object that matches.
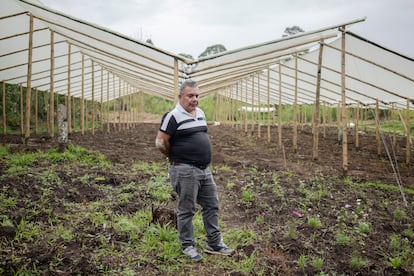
(189, 142)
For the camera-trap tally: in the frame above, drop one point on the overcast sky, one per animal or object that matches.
(189, 26)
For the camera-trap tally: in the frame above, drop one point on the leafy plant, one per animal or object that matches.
(314, 222)
(357, 262)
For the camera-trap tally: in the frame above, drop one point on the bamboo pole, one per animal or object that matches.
(29, 81)
(21, 109)
(344, 117)
(36, 110)
(119, 103)
(408, 136)
(358, 108)
(295, 108)
(324, 120)
(377, 128)
(268, 104)
(69, 103)
(51, 87)
(93, 98)
(101, 102)
(176, 88)
(4, 107)
(279, 126)
(316, 117)
(246, 117)
(107, 103)
(259, 113)
(252, 112)
(82, 99)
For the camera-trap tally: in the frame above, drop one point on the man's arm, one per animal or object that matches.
(162, 142)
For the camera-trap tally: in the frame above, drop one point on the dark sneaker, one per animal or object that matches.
(192, 253)
(220, 249)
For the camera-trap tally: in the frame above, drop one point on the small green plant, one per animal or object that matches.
(341, 238)
(292, 232)
(317, 263)
(395, 243)
(314, 222)
(408, 233)
(395, 263)
(302, 261)
(230, 185)
(399, 214)
(364, 227)
(357, 262)
(241, 236)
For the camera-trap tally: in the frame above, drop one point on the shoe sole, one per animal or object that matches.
(217, 252)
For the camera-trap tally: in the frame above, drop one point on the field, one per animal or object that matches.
(89, 210)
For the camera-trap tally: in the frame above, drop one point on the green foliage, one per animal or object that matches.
(314, 222)
(213, 50)
(357, 262)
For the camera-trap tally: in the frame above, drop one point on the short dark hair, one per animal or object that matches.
(187, 83)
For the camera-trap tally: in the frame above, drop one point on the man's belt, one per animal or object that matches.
(197, 165)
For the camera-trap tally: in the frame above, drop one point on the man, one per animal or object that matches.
(183, 139)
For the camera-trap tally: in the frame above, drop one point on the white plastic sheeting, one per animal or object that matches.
(107, 65)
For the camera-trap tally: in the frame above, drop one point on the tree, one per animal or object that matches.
(292, 31)
(149, 41)
(186, 55)
(212, 50)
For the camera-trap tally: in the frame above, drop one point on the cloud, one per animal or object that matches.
(190, 26)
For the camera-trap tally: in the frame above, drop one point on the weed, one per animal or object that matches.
(242, 236)
(395, 243)
(408, 233)
(395, 263)
(399, 214)
(314, 222)
(364, 227)
(317, 263)
(357, 262)
(341, 238)
(302, 261)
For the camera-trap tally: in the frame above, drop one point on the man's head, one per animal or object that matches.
(189, 94)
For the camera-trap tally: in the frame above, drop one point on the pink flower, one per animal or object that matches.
(296, 213)
(347, 206)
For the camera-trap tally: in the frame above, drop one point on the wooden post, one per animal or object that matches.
(279, 126)
(246, 117)
(408, 136)
(316, 117)
(82, 103)
(51, 87)
(93, 99)
(107, 104)
(69, 103)
(119, 100)
(36, 110)
(295, 109)
(21, 109)
(29, 81)
(100, 114)
(176, 85)
(357, 126)
(377, 128)
(268, 103)
(344, 121)
(252, 113)
(4, 107)
(259, 111)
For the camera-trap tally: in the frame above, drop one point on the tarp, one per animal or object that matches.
(105, 65)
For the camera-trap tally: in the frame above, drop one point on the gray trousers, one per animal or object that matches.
(194, 185)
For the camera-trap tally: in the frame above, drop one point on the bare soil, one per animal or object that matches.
(252, 162)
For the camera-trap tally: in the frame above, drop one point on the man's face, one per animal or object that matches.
(189, 98)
